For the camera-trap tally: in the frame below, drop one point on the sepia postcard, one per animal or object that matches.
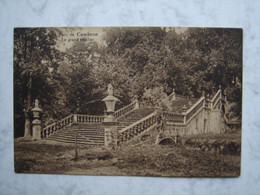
(128, 101)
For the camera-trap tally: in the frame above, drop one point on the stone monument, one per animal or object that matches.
(36, 123)
(110, 122)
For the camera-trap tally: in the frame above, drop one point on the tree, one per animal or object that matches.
(200, 59)
(34, 66)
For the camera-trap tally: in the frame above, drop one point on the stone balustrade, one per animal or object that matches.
(73, 118)
(53, 128)
(174, 129)
(178, 120)
(82, 118)
(137, 128)
(126, 109)
(173, 117)
(145, 105)
(216, 98)
(194, 109)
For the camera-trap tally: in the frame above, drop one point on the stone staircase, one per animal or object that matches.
(177, 105)
(89, 134)
(132, 117)
(137, 118)
(93, 134)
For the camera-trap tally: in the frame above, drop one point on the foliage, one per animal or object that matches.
(35, 57)
(147, 62)
(158, 98)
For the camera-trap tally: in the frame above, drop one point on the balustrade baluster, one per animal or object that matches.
(47, 132)
(55, 127)
(125, 136)
(141, 126)
(128, 134)
(132, 132)
(136, 130)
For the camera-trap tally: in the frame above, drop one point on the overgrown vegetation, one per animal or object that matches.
(143, 159)
(137, 61)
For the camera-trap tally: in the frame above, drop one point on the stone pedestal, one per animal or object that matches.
(110, 127)
(110, 122)
(36, 129)
(110, 134)
(36, 124)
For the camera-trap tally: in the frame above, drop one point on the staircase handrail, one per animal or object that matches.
(54, 127)
(143, 104)
(175, 117)
(138, 122)
(68, 120)
(125, 109)
(144, 124)
(86, 118)
(201, 103)
(193, 109)
(216, 98)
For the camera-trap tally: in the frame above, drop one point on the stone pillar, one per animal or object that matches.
(203, 94)
(184, 110)
(225, 94)
(75, 118)
(173, 94)
(110, 122)
(36, 123)
(136, 102)
(110, 134)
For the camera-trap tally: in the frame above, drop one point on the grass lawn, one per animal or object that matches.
(145, 159)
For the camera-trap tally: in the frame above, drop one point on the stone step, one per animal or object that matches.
(83, 130)
(94, 133)
(79, 142)
(72, 138)
(83, 134)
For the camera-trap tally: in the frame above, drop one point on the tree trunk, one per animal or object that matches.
(27, 126)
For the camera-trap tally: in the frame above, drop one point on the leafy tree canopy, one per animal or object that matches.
(137, 61)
